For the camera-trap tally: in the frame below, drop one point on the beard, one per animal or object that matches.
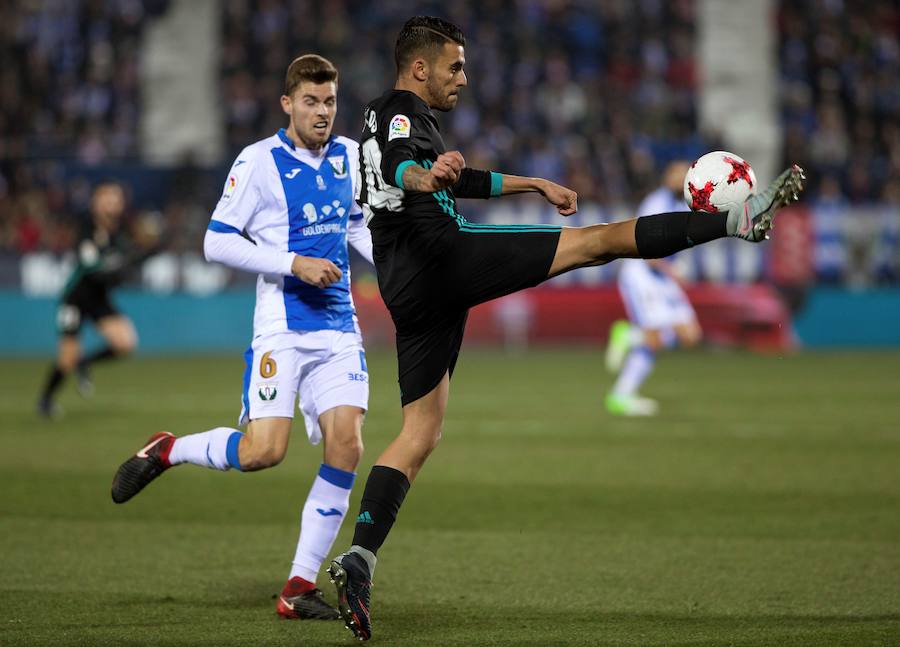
(440, 99)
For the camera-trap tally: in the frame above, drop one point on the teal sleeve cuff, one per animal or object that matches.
(398, 175)
(496, 184)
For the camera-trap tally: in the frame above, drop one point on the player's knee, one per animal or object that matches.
(435, 443)
(67, 364)
(689, 336)
(653, 340)
(432, 439)
(346, 451)
(126, 344)
(689, 341)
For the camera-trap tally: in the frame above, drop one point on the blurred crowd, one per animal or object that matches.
(69, 90)
(597, 94)
(840, 89)
(557, 89)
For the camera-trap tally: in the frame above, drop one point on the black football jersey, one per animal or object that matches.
(400, 129)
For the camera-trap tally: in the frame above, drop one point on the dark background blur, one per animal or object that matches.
(162, 94)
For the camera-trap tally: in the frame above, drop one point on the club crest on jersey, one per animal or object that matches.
(337, 164)
(268, 392)
(400, 127)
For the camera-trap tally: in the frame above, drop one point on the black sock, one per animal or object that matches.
(666, 233)
(381, 500)
(98, 356)
(53, 381)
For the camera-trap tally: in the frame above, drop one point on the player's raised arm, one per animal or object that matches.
(407, 135)
(474, 183)
(564, 199)
(445, 172)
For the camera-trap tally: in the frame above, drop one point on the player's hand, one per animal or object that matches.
(565, 200)
(446, 169)
(316, 271)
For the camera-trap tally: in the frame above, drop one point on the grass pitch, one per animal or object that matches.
(762, 507)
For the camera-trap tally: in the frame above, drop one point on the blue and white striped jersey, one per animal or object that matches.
(291, 201)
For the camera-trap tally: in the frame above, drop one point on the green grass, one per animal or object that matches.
(761, 508)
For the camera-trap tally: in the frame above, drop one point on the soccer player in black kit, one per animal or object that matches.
(103, 257)
(433, 265)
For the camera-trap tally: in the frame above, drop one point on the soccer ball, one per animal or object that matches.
(718, 180)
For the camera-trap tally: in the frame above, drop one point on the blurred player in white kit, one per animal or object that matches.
(659, 313)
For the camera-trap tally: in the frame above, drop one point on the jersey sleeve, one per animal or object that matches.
(352, 146)
(237, 252)
(359, 236)
(405, 133)
(240, 201)
(473, 183)
(241, 195)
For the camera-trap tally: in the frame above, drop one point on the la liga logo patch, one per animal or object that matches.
(230, 185)
(400, 127)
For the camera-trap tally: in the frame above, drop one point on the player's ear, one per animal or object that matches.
(286, 104)
(420, 69)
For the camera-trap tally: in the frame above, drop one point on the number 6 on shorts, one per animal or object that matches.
(267, 366)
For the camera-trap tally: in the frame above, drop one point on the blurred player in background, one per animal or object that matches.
(433, 264)
(104, 257)
(659, 313)
(293, 195)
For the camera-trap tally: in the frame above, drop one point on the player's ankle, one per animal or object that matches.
(297, 585)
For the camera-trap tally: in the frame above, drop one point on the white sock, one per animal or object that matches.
(323, 513)
(216, 449)
(638, 365)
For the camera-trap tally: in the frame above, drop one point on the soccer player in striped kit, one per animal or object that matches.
(292, 194)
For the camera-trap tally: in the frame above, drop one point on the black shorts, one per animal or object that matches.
(429, 284)
(82, 304)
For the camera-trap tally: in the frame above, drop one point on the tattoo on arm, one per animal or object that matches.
(416, 178)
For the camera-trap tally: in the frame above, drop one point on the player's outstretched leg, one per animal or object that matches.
(756, 216)
(216, 449)
(350, 575)
(150, 461)
(663, 234)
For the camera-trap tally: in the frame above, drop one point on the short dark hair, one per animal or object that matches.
(309, 67)
(107, 182)
(424, 33)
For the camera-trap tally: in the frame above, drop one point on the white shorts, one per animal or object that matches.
(653, 300)
(325, 368)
